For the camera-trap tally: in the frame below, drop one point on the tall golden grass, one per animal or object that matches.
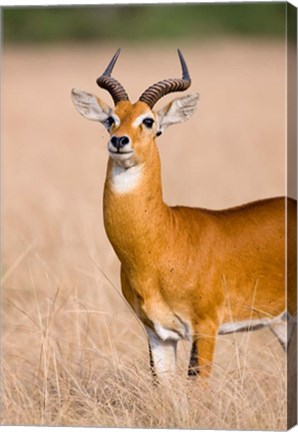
(73, 353)
(68, 359)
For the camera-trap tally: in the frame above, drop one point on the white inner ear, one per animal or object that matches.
(89, 106)
(177, 111)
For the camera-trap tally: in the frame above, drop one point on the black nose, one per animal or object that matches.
(119, 142)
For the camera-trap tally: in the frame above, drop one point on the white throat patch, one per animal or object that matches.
(124, 180)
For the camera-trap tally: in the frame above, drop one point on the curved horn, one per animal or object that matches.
(164, 87)
(109, 83)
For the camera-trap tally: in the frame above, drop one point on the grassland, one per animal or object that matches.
(71, 360)
(72, 351)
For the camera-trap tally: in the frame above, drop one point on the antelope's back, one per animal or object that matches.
(265, 235)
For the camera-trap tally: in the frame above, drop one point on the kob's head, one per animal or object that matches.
(133, 127)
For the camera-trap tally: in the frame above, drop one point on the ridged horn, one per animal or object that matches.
(164, 87)
(110, 84)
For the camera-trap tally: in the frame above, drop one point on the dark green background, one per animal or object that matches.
(143, 22)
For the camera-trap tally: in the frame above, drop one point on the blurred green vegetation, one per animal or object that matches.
(143, 22)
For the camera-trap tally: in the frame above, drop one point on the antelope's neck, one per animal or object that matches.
(135, 215)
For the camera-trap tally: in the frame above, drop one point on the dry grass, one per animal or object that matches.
(70, 361)
(105, 397)
(72, 351)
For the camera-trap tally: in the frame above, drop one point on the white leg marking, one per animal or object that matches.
(163, 353)
(279, 329)
(232, 327)
(166, 334)
(282, 326)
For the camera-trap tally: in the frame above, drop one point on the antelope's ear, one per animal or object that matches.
(90, 106)
(177, 111)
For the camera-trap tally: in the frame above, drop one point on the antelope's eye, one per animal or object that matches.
(148, 122)
(109, 122)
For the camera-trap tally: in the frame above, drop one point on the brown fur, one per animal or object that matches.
(187, 271)
(205, 267)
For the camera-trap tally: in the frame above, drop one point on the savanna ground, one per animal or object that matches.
(73, 353)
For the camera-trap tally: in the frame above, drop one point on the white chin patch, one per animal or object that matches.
(124, 160)
(126, 178)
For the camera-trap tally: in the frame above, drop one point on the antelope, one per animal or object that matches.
(188, 273)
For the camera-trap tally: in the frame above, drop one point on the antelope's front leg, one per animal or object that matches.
(162, 355)
(193, 367)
